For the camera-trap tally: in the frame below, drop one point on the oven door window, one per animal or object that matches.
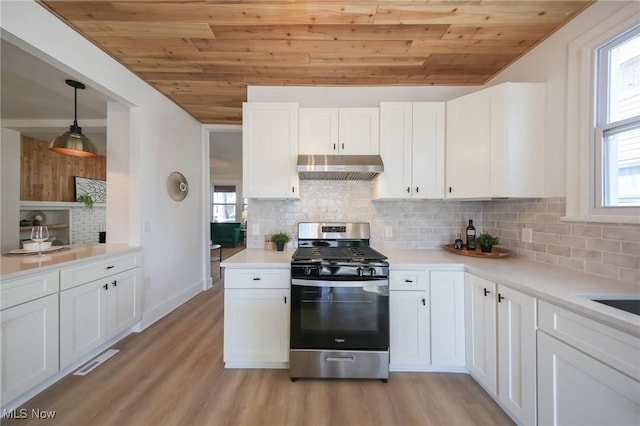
(336, 317)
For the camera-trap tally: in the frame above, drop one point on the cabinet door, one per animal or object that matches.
(447, 318)
(395, 149)
(270, 150)
(359, 131)
(469, 146)
(516, 353)
(256, 326)
(480, 318)
(29, 345)
(124, 301)
(427, 157)
(83, 320)
(318, 131)
(576, 389)
(409, 329)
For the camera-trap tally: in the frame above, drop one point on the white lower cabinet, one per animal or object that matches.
(29, 349)
(409, 329)
(577, 389)
(481, 331)
(501, 333)
(256, 318)
(447, 319)
(588, 373)
(426, 320)
(517, 353)
(93, 313)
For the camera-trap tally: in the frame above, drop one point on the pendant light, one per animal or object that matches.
(73, 142)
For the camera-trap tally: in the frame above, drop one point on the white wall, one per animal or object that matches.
(9, 190)
(161, 138)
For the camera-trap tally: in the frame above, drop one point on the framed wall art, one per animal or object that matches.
(96, 188)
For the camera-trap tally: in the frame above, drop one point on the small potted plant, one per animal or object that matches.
(87, 200)
(486, 242)
(280, 239)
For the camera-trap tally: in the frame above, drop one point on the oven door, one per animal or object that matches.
(335, 314)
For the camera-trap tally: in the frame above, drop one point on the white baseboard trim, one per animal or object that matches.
(154, 314)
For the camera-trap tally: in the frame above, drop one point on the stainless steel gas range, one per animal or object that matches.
(339, 304)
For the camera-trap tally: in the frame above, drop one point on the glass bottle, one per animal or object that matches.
(471, 236)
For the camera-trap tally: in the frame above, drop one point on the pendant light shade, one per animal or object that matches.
(73, 142)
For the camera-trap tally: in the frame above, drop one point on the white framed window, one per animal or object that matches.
(224, 203)
(586, 133)
(616, 141)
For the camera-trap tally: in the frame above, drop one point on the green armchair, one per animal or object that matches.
(227, 234)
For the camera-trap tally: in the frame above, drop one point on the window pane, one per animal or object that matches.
(624, 80)
(224, 213)
(224, 197)
(621, 157)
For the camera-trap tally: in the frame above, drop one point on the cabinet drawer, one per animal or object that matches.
(77, 275)
(607, 344)
(257, 278)
(15, 292)
(408, 280)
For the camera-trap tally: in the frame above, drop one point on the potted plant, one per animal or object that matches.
(280, 239)
(87, 200)
(486, 242)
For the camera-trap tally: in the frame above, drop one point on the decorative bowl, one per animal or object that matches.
(36, 247)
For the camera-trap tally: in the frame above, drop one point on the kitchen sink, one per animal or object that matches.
(625, 302)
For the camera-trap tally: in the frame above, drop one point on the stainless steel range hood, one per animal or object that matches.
(339, 167)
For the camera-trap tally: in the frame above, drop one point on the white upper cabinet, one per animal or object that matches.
(333, 131)
(318, 131)
(270, 150)
(495, 142)
(412, 150)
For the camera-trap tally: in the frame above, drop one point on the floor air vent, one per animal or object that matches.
(94, 363)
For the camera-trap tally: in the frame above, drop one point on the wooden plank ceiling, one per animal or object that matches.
(203, 54)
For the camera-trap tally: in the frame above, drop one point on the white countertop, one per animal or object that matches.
(15, 266)
(552, 283)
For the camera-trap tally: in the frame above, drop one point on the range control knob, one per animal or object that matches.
(360, 271)
(372, 271)
(307, 271)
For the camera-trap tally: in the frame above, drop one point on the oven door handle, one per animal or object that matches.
(328, 283)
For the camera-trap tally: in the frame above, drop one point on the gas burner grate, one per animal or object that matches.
(337, 253)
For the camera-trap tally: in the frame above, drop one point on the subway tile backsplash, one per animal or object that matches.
(87, 223)
(609, 250)
(413, 224)
(605, 249)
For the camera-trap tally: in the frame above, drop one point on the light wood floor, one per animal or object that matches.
(172, 374)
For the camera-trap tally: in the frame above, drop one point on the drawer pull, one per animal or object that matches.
(256, 279)
(110, 267)
(408, 280)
